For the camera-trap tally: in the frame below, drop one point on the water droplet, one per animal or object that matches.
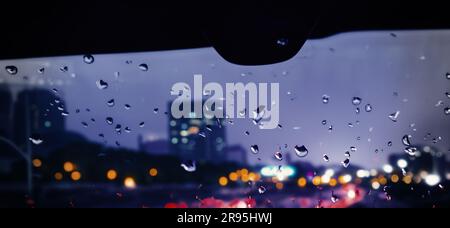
(41, 70)
(109, 120)
(101, 84)
(334, 198)
(347, 154)
(64, 113)
(127, 107)
(404, 173)
(77, 111)
(278, 155)
(247, 133)
(142, 124)
(111, 103)
(243, 113)
(209, 127)
(301, 151)
(325, 99)
(118, 129)
(118, 143)
(143, 67)
(394, 116)
(350, 125)
(357, 110)
(439, 103)
(411, 151)
(353, 149)
(189, 166)
(64, 69)
(101, 135)
(406, 140)
(262, 190)
(156, 110)
(36, 139)
(389, 144)
(202, 134)
(447, 76)
(356, 101)
(346, 163)
(324, 122)
(258, 114)
(441, 186)
(326, 158)
(88, 59)
(330, 128)
(127, 130)
(84, 124)
(447, 111)
(282, 42)
(254, 149)
(12, 70)
(447, 94)
(368, 108)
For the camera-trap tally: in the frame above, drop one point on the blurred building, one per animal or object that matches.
(37, 111)
(5, 111)
(153, 145)
(427, 158)
(236, 154)
(197, 139)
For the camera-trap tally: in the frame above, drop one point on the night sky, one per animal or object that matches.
(374, 66)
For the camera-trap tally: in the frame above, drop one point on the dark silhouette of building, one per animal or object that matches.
(5, 111)
(199, 139)
(41, 113)
(37, 111)
(153, 146)
(236, 154)
(427, 158)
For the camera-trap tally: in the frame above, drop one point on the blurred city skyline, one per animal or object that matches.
(404, 73)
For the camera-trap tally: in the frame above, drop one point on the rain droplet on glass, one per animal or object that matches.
(356, 101)
(262, 190)
(36, 139)
(189, 166)
(411, 151)
(88, 59)
(109, 120)
(143, 67)
(111, 103)
(254, 149)
(301, 151)
(12, 70)
(394, 116)
(406, 140)
(326, 158)
(325, 99)
(101, 84)
(346, 163)
(278, 155)
(368, 108)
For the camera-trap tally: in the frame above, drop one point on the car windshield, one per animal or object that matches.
(354, 120)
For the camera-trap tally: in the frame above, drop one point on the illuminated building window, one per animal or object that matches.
(173, 123)
(184, 126)
(184, 140)
(174, 140)
(48, 124)
(184, 133)
(193, 130)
